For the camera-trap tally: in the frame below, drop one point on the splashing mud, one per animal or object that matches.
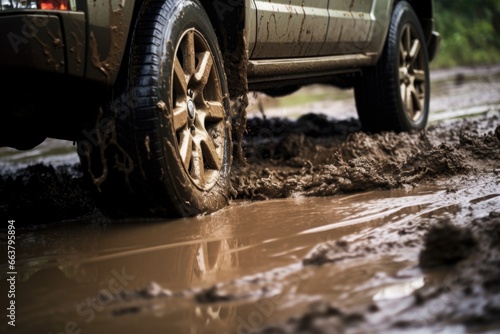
(317, 157)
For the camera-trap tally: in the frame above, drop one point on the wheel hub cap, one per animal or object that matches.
(191, 109)
(405, 75)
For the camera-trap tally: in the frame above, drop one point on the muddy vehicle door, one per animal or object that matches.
(357, 26)
(288, 28)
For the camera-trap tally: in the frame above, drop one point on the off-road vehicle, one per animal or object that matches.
(144, 88)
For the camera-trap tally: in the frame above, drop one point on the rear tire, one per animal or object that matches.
(166, 150)
(394, 95)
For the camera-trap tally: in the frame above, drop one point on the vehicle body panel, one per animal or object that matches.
(350, 26)
(380, 16)
(89, 42)
(74, 24)
(32, 39)
(288, 28)
(110, 23)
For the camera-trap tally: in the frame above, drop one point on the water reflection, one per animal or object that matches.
(400, 290)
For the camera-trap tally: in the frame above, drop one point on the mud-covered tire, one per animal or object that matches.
(394, 94)
(165, 147)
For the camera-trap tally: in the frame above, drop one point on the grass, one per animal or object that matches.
(452, 54)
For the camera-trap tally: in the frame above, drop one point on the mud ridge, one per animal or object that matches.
(290, 159)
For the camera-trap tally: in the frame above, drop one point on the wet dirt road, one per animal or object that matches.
(330, 230)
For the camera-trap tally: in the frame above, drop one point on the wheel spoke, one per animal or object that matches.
(403, 92)
(186, 147)
(188, 53)
(180, 83)
(407, 40)
(402, 53)
(409, 102)
(402, 73)
(414, 51)
(198, 170)
(204, 68)
(210, 155)
(215, 111)
(180, 116)
(419, 75)
(416, 101)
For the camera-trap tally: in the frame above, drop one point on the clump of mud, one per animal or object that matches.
(316, 156)
(41, 194)
(469, 295)
(446, 244)
(318, 318)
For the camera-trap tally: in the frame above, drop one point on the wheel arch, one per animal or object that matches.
(121, 78)
(425, 13)
(424, 9)
(228, 21)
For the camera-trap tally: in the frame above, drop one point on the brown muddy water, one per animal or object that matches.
(349, 262)
(330, 230)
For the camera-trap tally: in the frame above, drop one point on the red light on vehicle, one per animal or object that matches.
(53, 4)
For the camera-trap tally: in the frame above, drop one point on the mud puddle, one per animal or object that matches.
(347, 261)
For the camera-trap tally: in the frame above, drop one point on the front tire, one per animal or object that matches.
(174, 126)
(394, 95)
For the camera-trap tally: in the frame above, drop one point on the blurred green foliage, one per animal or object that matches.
(470, 32)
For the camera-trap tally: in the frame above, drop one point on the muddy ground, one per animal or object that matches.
(450, 245)
(302, 158)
